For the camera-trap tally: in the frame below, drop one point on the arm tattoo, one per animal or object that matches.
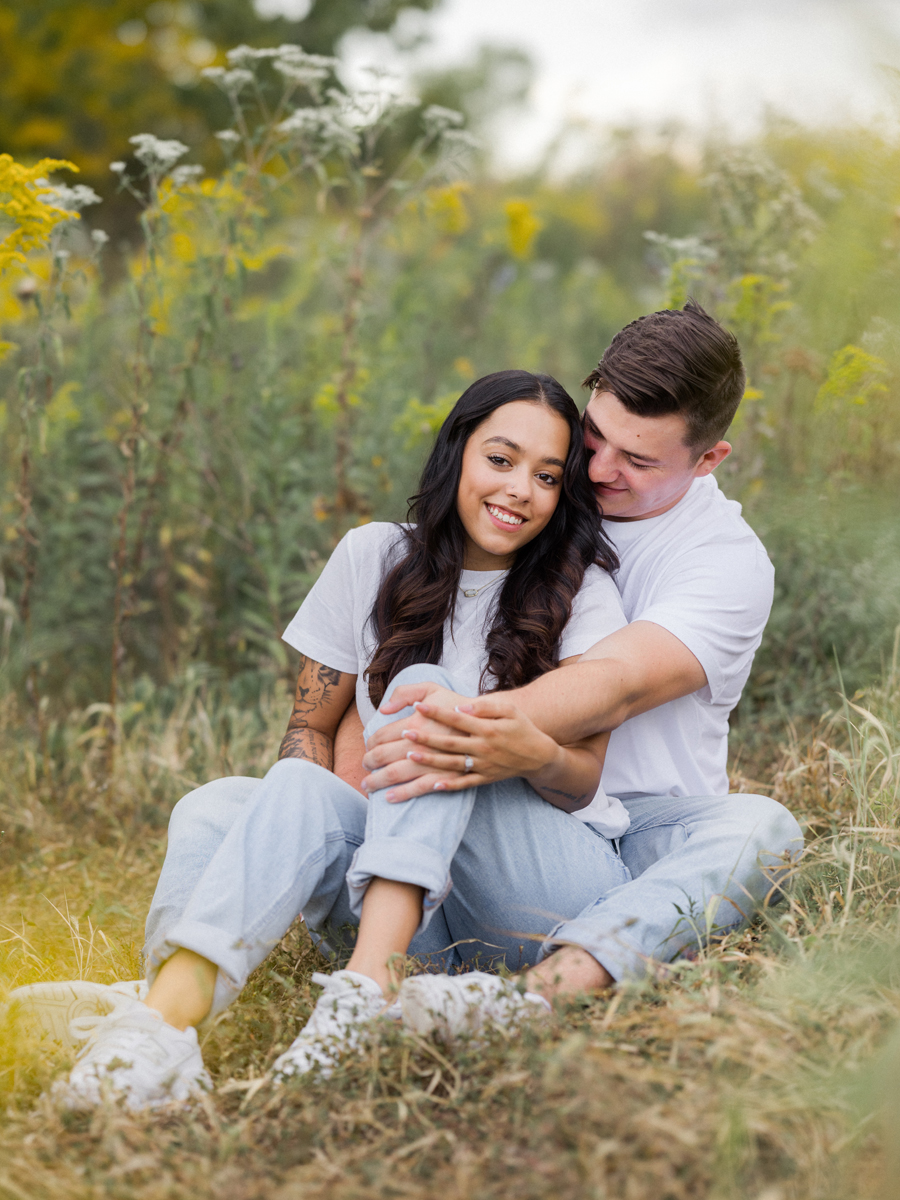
(571, 801)
(314, 682)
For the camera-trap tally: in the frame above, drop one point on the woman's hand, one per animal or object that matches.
(500, 734)
(500, 738)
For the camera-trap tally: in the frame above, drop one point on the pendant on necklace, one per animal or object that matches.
(470, 592)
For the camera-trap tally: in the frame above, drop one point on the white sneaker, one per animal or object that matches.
(458, 1005)
(51, 1007)
(133, 1055)
(348, 1003)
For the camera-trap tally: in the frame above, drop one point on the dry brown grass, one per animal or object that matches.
(766, 1068)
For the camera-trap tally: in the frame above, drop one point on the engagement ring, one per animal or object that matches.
(469, 763)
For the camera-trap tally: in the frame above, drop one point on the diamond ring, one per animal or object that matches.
(469, 763)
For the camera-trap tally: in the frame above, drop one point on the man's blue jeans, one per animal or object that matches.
(246, 856)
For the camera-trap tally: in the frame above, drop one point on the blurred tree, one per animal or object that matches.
(78, 79)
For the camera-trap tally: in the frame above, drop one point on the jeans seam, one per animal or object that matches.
(277, 906)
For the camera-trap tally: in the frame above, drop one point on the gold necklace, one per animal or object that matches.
(471, 593)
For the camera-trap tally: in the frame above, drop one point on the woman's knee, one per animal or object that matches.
(422, 673)
(417, 673)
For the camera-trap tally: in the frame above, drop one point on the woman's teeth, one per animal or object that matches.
(505, 517)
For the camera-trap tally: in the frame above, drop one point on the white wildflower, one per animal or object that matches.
(185, 174)
(302, 75)
(288, 52)
(322, 124)
(438, 119)
(117, 168)
(216, 74)
(99, 237)
(72, 199)
(244, 56)
(228, 137)
(458, 141)
(155, 153)
(235, 81)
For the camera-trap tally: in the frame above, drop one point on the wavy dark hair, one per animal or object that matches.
(418, 593)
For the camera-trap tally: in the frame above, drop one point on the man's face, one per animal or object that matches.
(640, 466)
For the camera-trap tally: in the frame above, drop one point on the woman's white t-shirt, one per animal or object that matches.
(332, 625)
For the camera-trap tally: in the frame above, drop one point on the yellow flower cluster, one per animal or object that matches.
(21, 189)
(522, 227)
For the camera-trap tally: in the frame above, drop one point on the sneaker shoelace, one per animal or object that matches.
(88, 1028)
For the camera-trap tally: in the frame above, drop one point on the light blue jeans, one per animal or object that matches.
(507, 876)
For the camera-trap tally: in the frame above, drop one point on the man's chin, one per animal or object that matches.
(613, 504)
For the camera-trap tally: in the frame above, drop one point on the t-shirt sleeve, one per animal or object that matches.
(596, 612)
(716, 600)
(324, 626)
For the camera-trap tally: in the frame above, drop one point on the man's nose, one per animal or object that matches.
(601, 467)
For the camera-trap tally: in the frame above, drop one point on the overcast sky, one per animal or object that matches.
(706, 62)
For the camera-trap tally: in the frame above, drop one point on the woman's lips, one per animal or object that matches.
(500, 524)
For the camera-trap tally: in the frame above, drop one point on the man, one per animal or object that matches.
(697, 587)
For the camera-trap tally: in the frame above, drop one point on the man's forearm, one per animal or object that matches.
(315, 747)
(575, 702)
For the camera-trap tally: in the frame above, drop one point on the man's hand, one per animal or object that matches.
(499, 739)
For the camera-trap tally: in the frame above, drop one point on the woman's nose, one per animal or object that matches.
(518, 486)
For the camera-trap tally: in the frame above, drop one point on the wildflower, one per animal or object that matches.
(72, 199)
(288, 52)
(117, 168)
(185, 174)
(21, 193)
(157, 154)
(302, 75)
(99, 237)
(522, 227)
(438, 120)
(458, 141)
(228, 137)
(243, 56)
(324, 124)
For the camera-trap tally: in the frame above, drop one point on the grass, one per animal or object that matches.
(765, 1068)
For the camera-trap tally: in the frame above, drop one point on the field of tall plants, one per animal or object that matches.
(191, 416)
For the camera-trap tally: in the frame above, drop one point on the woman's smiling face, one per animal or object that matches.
(511, 477)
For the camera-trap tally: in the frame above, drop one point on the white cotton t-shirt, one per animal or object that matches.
(332, 624)
(701, 572)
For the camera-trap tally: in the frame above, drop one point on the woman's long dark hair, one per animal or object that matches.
(418, 593)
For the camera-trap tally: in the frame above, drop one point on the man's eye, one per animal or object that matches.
(638, 466)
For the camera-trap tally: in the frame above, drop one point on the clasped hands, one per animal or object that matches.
(427, 751)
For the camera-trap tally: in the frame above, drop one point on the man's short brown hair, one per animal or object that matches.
(678, 360)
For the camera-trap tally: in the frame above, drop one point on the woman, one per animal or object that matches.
(503, 576)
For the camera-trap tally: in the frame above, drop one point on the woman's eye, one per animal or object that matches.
(498, 460)
(549, 479)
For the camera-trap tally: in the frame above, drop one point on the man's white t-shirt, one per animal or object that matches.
(701, 572)
(332, 624)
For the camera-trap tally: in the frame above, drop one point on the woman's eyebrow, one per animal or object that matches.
(504, 441)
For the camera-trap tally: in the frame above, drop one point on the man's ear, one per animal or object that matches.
(708, 461)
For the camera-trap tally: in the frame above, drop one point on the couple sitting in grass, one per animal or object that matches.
(569, 600)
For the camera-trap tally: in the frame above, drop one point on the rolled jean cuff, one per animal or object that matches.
(608, 947)
(230, 955)
(403, 860)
